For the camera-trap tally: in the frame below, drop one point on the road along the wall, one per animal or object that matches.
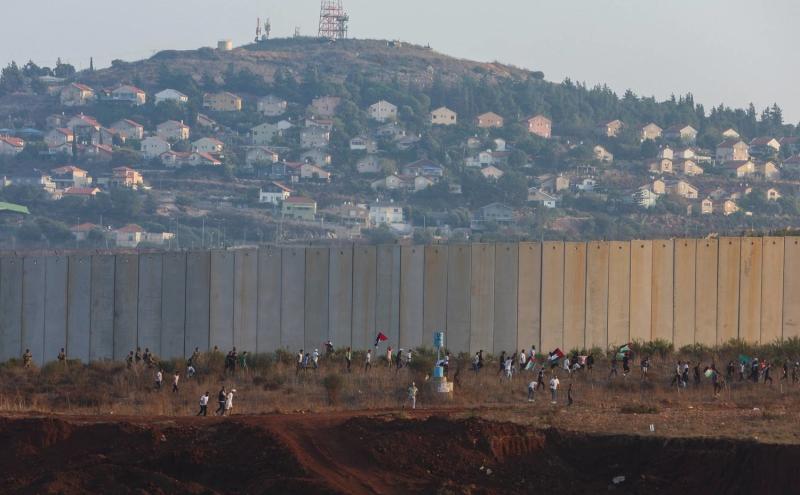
(483, 296)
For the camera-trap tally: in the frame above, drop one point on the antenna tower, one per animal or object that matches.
(332, 20)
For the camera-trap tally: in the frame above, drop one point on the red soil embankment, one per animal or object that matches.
(361, 453)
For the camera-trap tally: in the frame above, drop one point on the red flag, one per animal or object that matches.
(557, 354)
(380, 338)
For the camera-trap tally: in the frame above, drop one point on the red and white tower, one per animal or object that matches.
(332, 20)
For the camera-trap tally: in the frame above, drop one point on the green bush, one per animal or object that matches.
(333, 385)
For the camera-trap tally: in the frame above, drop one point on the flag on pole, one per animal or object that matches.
(530, 365)
(623, 350)
(380, 338)
(556, 355)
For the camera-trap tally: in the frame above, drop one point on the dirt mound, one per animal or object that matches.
(370, 454)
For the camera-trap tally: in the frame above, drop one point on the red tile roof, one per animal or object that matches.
(300, 200)
(66, 169)
(84, 227)
(131, 228)
(81, 191)
(13, 141)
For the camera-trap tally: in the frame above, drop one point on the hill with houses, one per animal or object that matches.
(366, 140)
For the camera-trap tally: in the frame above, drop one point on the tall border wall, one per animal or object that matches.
(492, 297)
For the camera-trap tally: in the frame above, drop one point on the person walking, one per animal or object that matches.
(645, 365)
(138, 355)
(175, 379)
(476, 363)
(613, 371)
(27, 358)
(159, 379)
(676, 378)
(742, 368)
(502, 362)
(306, 360)
(129, 360)
(685, 375)
(398, 361)
(409, 353)
(626, 367)
(299, 361)
(540, 378)
(412, 395)
(222, 398)
(730, 370)
(348, 358)
(785, 372)
(243, 360)
(509, 367)
(368, 360)
(767, 370)
(532, 390)
(62, 357)
(389, 356)
(315, 359)
(554, 383)
(203, 405)
(697, 374)
(229, 403)
(569, 394)
(523, 360)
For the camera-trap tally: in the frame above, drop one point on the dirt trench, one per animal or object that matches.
(321, 454)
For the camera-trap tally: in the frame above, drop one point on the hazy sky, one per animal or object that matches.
(731, 51)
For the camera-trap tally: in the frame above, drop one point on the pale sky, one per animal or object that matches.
(723, 51)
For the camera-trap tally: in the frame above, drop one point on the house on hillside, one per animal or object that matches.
(682, 188)
(273, 193)
(769, 171)
(423, 167)
(491, 172)
(77, 95)
(10, 146)
(128, 129)
(385, 214)
(765, 147)
(127, 93)
(707, 206)
(772, 194)
(57, 137)
(208, 145)
(70, 176)
(314, 137)
(325, 106)
(541, 126)
(311, 172)
(489, 120)
(610, 128)
(362, 143)
(683, 133)
(732, 150)
(372, 164)
(650, 131)
(645, 197)
(263, 134)
(730, 133)
(131, 235)
(661, 166)
(495, 212)
(444, 116)
(173, 130)
(222, 102)
(538, 196)
(258, 155)
(171, 95)
(126, 177)
(81, 192)
(300, 208)
(687, 167)
(739, 168)
(792, 163)
(272, 106)
(153, 147)
(382, 111)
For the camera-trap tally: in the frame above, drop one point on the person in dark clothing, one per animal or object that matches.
(221, 398)
(590, 362)
(502, 362)
(480, 359)
(754, 371)
(685, 376)
(540, 378)
(569, 394)
(730, 371)
(697, 374)
(613, 366)
(398, 362)
(794, 372)
(767, 369)
(626, 366)
(785, 373)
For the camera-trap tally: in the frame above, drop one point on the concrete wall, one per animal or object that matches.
(501, 297)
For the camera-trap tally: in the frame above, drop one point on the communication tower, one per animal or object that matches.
(333, 20)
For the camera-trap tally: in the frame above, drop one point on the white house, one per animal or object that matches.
(171, 95)
(314, 137)
(263, 134)
(272, 106)
(208, 145)
(129, 94)
(172, 130)
(361, 143)
(261, 154)
(10, 146)
(383, 111)
(274, 193)
(128, 129)
(385, 214)
(154, 146)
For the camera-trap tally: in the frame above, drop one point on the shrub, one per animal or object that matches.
(638, 409)
(333, 385)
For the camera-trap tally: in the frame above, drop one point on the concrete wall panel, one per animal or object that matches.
(316, 298)
(597, 295)
(10, 308)
(728, 289)
(269, 299)
(552, 296)
(574, 295)
(198, 293)
(662, 290)
(79, 307)
(173, 306)
(791, 288)
(459, 278)
(706, 301)
(750, 276)
(365, 280)
(641, 285)
(684, 292)
(150, 309)
(435, 306)
(772, 289)
(55, 307)
(126, 295)
(412, 296)
(341, 296)
(619, 290)
(482, 298)
(221, 300)
(387, 302)
(293, 275)
(529, 294)
(101, 339)
(33, 299)
(506, 294)
(245, 300)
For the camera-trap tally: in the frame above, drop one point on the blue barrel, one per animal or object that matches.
(438, 340)
(438, 372)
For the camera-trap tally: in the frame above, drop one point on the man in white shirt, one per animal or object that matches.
(159, 379)
(412, 395)
(554, 388)
(203, 405)
(175, 379)
(368, 360)
(531, 391)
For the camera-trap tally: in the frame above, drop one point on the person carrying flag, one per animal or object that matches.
(380, 338)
